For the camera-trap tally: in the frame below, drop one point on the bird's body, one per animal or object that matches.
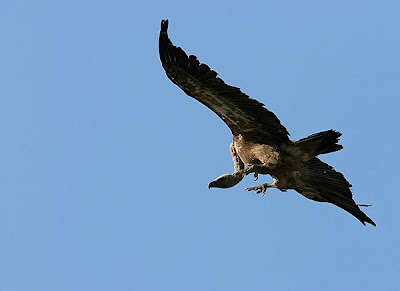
(261, 144)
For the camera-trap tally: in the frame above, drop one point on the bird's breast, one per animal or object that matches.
(256, 154)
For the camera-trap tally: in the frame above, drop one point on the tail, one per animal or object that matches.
(319, 143)
(320, 182)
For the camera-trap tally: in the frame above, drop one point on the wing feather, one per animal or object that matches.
(320, 182)
(241, 114)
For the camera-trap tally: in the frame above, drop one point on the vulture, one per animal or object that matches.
(261, 144)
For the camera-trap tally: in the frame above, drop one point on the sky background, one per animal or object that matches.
(104, 163)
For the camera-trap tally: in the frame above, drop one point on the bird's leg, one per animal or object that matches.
(256, 169)
(262, 188)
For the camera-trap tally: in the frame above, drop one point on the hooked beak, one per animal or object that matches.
(212, 184)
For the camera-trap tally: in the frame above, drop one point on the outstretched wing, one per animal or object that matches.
(320, 182)
(242, 114)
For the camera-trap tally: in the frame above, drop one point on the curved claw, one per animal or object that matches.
(259, 189)
(255, 176)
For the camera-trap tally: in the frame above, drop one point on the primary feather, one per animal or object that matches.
(242, 114)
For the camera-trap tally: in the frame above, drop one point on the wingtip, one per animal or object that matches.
(164, 25)
(368, 220)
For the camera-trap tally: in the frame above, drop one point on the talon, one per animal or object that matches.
(255, 176)
(248, 170)
(260, 188)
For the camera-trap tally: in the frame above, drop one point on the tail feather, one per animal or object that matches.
(320, 182)
(320, 143)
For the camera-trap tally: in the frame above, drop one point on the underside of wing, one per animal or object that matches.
(242, 114)
(320, 182)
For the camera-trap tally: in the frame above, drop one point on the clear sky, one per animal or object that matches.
(105, 163)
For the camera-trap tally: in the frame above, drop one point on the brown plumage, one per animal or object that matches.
(261, 144)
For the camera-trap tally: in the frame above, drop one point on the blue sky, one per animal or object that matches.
(105, 163)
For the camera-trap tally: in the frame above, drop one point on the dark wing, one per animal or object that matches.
(320, 182)
(242, 114)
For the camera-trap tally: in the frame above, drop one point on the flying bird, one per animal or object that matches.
(261, 144)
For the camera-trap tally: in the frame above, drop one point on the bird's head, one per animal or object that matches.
(226, 181)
